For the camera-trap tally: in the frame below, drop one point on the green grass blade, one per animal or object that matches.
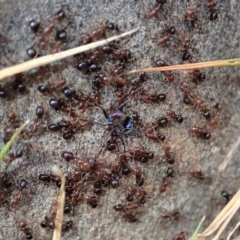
(197, 229)
(11, 141)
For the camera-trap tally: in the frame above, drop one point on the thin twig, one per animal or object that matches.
(231, 233)
(23, 67)
(229, 155)
(219, 63)
(60, 203)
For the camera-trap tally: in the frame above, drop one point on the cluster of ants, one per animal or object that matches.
(92, 177)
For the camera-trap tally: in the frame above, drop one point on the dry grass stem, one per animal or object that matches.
(231, 233)
(23, 67)
(219, 63)
(224, 225)
(229, 155)
(223, 218)
(60, 204)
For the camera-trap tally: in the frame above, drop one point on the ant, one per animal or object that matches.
(152, 98)
(198, 76)
(169, 156)
(92, 201)
(215, 117)
(181, 236)
(202, 107)
(60, 14)
(192, 18)
(226, 195)
(101, 79)
(149, 129)
(186, 90)
(139, 177)
(122, 54)
(204, 134)
(67, 226)
(173, 115)
(52, 87)
(172, 216)
(187, 42)
(136, 191)
(153, 13)
(168, 74)
(126, 211)
(166, 180)
(137, 154)
(22, 225)
(197, 174)
(95, 34)
(48, 222)
(212, 10)
(171, 31)
(21, 185)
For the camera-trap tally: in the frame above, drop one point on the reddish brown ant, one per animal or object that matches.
(187, 42)
(22, 225)
(171, 31)
(95, 34)
(168, 74)
(67, 226)
(57, 84)
(212, 9)
(49, 221)
(165, 183)
(213, 120)
(153, 13)
(198, 76)
(49, 29)
(92, 201)
(181, 236)
(101, 79)
(174, 216)
(139, 177)
(173, 115)
(137, 192)
(169, 156)
(202, 107)
(152, 98)
(56, 47)
(21, 185)
(204, 134)
(121, 96)
(197, 174)
(126, 208)
(122, 54)
(137, 154)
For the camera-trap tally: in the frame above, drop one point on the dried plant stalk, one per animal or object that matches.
(23, 67)
(60, 204)
(219, 63)
(223, 218)
(231, 233)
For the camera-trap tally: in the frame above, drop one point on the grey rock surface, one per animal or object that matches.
(191, 197)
